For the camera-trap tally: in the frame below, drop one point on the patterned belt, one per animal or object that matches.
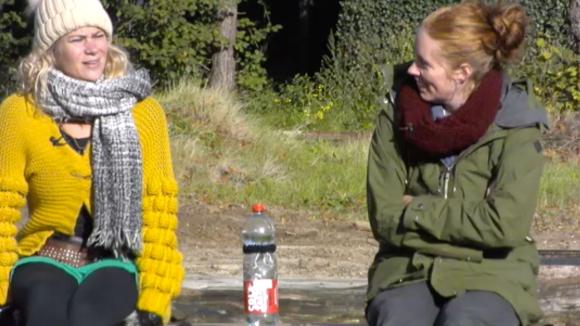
(67, 251)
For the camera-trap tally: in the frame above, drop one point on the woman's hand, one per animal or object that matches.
(407, 199)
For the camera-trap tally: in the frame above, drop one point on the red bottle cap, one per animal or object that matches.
(258, 208)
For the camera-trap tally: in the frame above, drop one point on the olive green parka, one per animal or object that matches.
(468, 226)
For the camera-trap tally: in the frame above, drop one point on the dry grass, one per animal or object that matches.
(221, 155)
(563, 138)
(212, 139)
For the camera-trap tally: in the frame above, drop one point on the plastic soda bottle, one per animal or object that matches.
(260, 275)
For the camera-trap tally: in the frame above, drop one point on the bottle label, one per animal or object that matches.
(260, 297)
(258, 248)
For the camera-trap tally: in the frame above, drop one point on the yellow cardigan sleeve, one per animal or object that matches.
(13, 186)
(160, 263)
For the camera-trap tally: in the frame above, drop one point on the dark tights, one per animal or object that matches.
(46, 295)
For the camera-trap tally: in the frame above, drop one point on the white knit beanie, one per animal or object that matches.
(56, 18)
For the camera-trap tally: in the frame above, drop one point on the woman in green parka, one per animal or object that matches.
(454, 169)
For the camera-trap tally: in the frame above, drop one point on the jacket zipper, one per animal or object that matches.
(444, 181)
(446, 178)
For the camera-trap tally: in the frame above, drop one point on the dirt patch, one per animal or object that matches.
(309, 247)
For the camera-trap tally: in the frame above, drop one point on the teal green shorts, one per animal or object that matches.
(80, 273)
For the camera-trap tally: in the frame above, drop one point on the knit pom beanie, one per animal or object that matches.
(55, 18)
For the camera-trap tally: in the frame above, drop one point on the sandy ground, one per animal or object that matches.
(308, 247)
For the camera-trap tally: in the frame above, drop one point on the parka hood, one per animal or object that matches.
(519, 107)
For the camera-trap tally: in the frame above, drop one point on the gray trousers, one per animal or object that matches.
(418, 305)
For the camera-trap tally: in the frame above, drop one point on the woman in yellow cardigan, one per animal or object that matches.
(87, 150)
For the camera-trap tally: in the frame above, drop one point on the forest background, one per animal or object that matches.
(274, 100)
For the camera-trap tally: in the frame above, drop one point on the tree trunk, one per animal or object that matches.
(223, 69)
(575, 22)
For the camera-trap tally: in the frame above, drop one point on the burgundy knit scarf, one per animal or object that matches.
(454, 133)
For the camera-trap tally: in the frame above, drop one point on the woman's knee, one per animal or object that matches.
(477, 308)
(106, 297)
(391, 307)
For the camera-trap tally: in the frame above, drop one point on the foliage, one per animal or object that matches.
(14, 41)
(357, 85)
(550, 19)
(367, 29)
(252, 34)
(160, 35)
(556, 76)
(301, 103)
(340, 97)
(175, 39)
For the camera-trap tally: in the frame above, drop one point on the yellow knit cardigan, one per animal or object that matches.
(55, 182)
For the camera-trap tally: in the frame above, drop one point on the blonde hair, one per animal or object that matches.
(33, 69)
(485, 36)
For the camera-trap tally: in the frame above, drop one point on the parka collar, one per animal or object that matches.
(519, 107)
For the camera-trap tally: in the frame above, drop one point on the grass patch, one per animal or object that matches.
(560, 186)
(558, 201)
(223, 156)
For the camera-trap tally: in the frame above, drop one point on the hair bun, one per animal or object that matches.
(509, 24)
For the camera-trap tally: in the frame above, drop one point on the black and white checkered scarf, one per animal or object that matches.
(116, 152)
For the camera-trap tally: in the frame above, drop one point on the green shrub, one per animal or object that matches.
(303, 101)
(172, 38)
(175, 39)
(251, 36)
(550, 19)
(357, 87)
(367, 28)
(289, 106)
(340, 97)
(555, 74)
(14, 42)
